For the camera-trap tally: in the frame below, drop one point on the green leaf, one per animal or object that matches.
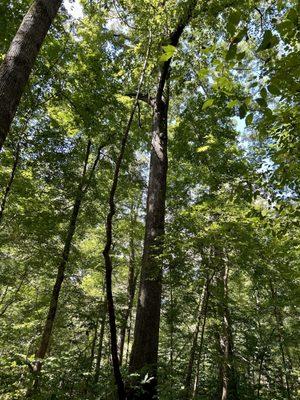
(203, 72)
(234, 18)
(261, 102)
(239, 37)
(274, 90)
(269, 41)
(202, 149)
(240, 56)
(231, 53)
(242, 111)
(208, 103)
(292, 15)
(249, 119)
(263, 93)
(169, 51)
(232, 103)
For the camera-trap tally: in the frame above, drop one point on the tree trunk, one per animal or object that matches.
(109, 237)
(145, 345)
(201, 311)
(146, 334)
(20, 58)
(94, 341)
(131, 287)
(48, 327)
(228, 381)
(283, 351)
(100, 343)
(128, 339)
(200, 348)
(10, 182)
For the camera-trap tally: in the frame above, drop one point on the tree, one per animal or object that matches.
(146, 334)
(20, 58)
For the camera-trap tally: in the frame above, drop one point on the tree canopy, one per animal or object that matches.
(149, 199)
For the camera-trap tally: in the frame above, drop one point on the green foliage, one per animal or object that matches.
(233, 196)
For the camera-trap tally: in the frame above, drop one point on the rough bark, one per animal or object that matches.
(146, 333)
(20, 58)
(10, 182)
(145, 346)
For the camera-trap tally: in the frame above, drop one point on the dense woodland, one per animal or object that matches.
(149, 199)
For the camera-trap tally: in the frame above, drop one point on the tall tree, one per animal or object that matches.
(109, 236)
(60, 276)
(20, 58)
(146, 333)
(228, 380)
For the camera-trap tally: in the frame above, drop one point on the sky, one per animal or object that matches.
(74, 8)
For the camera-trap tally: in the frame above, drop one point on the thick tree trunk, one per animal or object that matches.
(145, 346)
(201, 311)
(20, 58)
(228, 381)
(131, 287)
(10, 182)
(146, 334)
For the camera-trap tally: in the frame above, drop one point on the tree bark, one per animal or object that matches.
(100, 343)
(201, 311)
(10, 182)
(146, 333)
(283, 351)
(228, 381)
(200, 348)
(20, 58)
(131, 287)
(109, 236)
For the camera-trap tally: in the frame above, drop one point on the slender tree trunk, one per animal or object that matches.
(10, 182)
(20, 58)
(197, 376)
(227, 369)
(94, 342)
(201, 311)
(260, 374)
(48, 327)
(128, 338)
(14, 297)
(283, 351)
(131, 287)
(146, 334)
(100, 343)
(109, 236)
(171, 326)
